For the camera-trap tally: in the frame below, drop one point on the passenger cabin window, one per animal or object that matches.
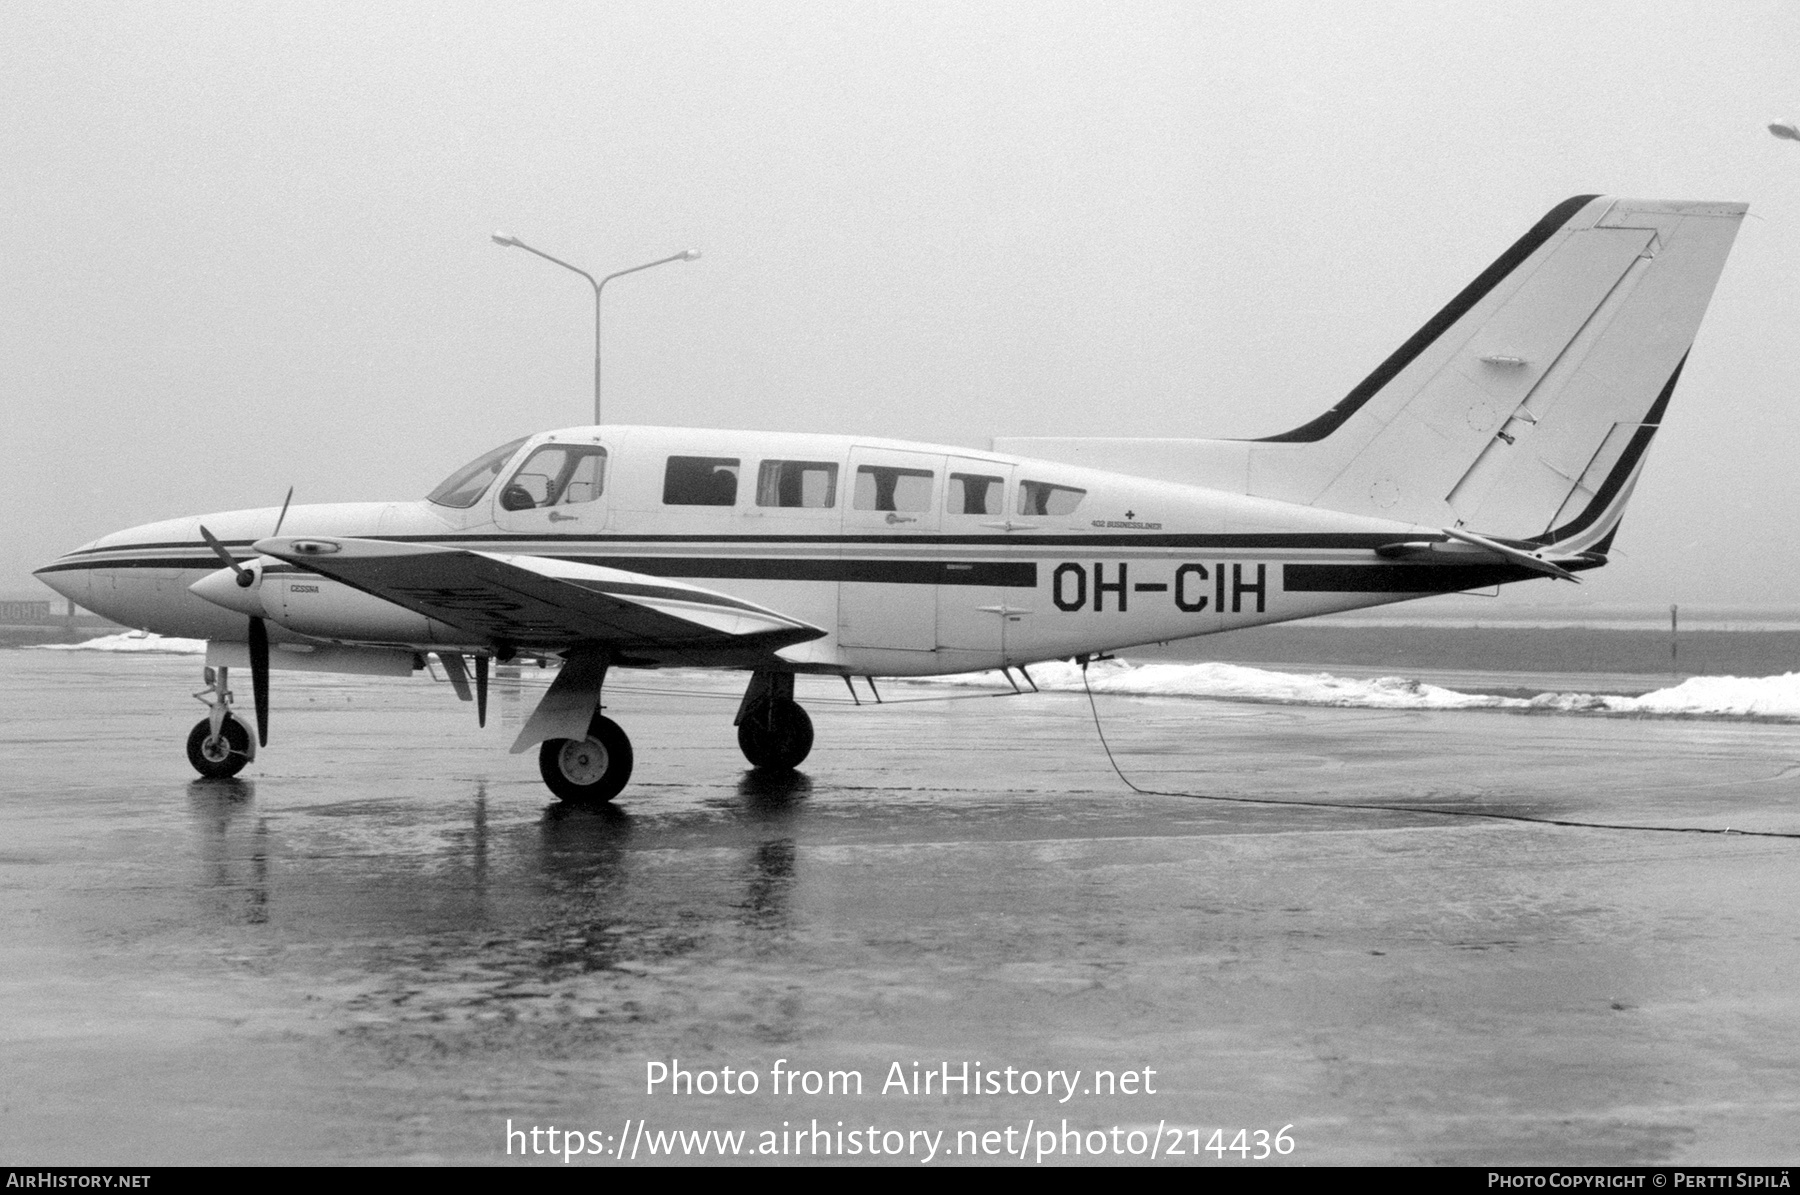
(885, 487)
(810, 484)
(557, 475)
(464, 488)
(701, 481)
(973, 494)
(1042, 498)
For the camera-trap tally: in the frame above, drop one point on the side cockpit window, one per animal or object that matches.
(886, 487)
(557, 475)
(1043, 498)
(974, 494)
(464, 488)
(701, 481)
(808, 484)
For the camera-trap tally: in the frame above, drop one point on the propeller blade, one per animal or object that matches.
(219, 549)
(259, 677)
(282, 518)
(481, 667)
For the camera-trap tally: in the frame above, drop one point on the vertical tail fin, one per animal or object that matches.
(1524, 408)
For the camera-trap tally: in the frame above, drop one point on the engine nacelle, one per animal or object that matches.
(319, 607)
(326, 609)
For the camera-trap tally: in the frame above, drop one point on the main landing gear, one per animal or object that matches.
(219, 745)
(591, 770)
(774, 732)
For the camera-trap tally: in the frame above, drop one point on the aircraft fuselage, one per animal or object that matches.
(915, 558)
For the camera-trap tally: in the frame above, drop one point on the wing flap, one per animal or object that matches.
(542, 602)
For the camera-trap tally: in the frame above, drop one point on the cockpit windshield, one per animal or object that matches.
(463, 488)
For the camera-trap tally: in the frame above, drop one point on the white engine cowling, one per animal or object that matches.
(319, 607)
(325, 609)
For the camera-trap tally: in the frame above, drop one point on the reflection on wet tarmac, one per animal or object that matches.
(770, 878)
(375, 961)
(237, 873)
(773, 791)
(770, 801)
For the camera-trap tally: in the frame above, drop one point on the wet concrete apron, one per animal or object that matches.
(385, 940)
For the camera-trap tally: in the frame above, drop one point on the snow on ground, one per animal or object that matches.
(1715, 696)
(1720, 696)
(131, 641)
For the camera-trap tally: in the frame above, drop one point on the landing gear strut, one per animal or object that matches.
(219, 745)
(774, 733)
(589, 769)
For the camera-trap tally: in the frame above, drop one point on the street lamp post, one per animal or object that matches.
(501, 238)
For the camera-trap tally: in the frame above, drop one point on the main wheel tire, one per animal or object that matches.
(588, 771)
(776, 737)
(218, 758)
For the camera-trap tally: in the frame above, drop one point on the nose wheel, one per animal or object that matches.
(591, 770)
(217, 755)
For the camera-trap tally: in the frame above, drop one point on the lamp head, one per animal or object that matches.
(501, 238)
(690, 254)
(1785, 130)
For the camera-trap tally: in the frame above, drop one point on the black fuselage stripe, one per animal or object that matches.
(1398, 578)
(1296, 578)
(1004, 574)
(173, 564)
(502, 543)
(1007, 574)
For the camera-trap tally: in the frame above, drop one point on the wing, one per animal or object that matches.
(539, 602)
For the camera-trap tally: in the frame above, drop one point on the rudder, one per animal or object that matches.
(1523, 409)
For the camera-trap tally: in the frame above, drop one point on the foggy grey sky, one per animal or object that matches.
(247, 245)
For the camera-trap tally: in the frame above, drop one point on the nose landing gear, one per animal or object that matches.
(219, 745)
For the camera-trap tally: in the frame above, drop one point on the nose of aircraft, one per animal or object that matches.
(226, 588)
(72, 583)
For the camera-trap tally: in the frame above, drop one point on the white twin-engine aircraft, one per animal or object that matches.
(1498, 444)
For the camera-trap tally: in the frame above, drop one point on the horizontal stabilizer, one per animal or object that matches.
(1464, 548)
(1523, 559)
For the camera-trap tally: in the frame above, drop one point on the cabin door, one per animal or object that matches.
(972, 610)
(888, 595)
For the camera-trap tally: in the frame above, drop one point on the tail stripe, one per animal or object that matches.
(1421, 340)
(1621, 471)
